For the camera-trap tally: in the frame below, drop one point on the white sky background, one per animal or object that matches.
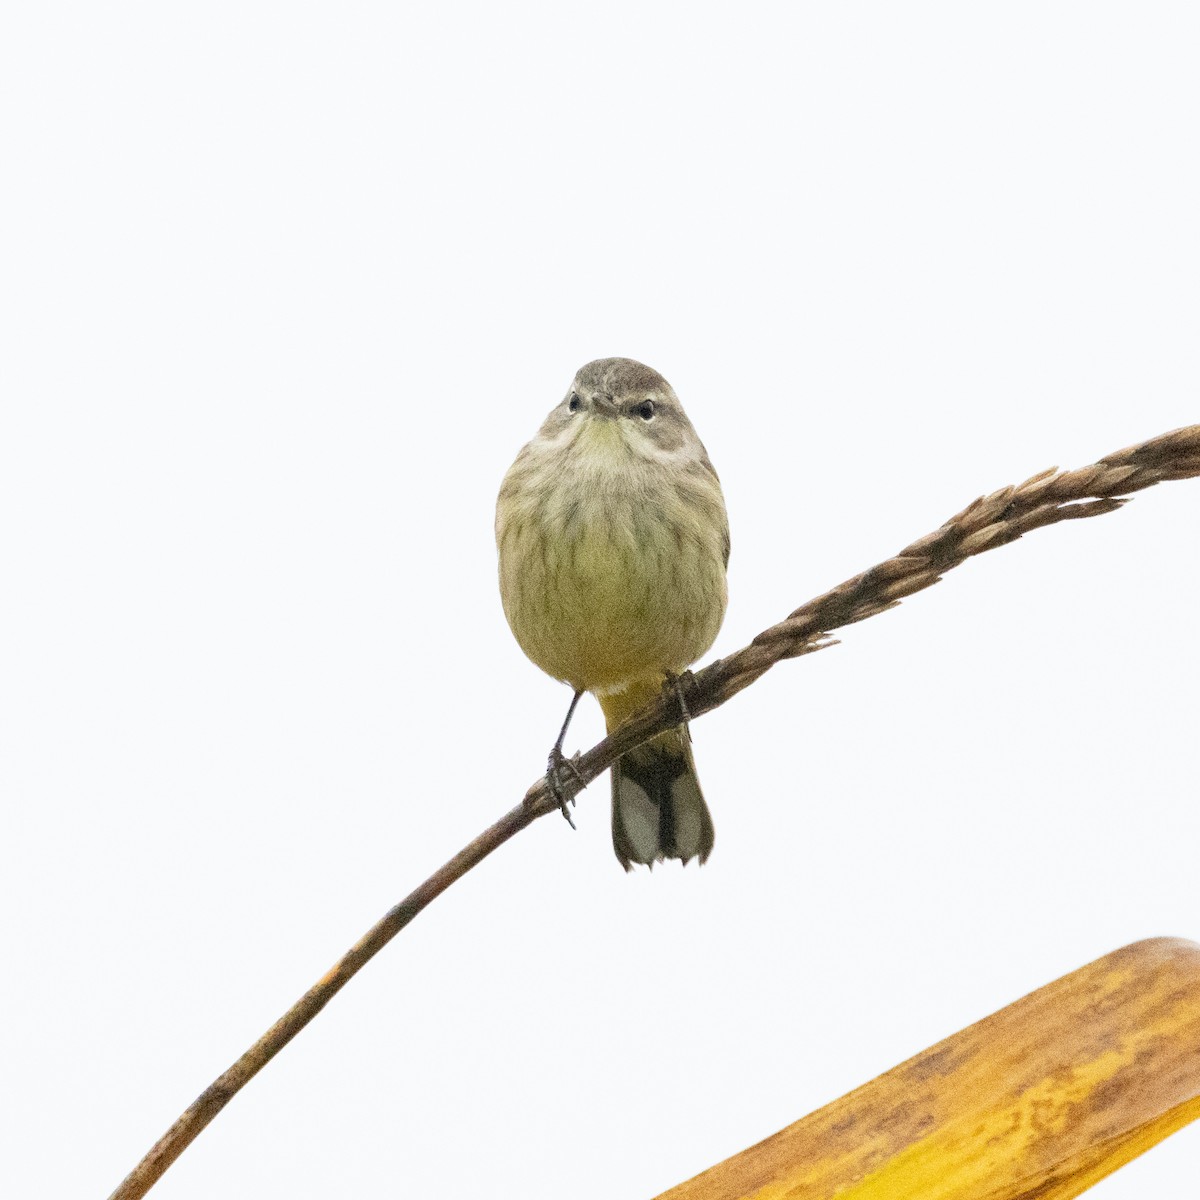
(285, 288)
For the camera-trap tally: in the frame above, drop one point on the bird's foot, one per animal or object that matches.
(675, 684)
(557, 765)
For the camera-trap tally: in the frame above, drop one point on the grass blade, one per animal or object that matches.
(1039, 1100)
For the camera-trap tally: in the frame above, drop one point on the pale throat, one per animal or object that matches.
(611, 444)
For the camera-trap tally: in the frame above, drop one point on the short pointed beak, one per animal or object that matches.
(603, 406)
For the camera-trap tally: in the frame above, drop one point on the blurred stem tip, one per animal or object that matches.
(1040, 1100)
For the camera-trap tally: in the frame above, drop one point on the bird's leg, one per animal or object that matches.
(557, 761)
(675, 684)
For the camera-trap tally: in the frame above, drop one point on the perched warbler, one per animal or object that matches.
(613, 543)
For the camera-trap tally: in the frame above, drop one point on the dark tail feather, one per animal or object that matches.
(658, 810)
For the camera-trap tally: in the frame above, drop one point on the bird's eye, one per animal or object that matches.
(574, 404)
(645, 410)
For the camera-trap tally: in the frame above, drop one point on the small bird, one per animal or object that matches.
(613, 543)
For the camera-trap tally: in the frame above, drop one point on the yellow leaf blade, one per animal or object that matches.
(1039, 1100)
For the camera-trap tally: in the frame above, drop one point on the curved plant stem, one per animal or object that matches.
(988, 522)
(222, 1089)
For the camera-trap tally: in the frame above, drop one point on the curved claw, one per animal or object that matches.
(554, 769)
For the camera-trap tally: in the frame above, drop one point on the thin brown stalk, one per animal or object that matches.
(991, 521)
